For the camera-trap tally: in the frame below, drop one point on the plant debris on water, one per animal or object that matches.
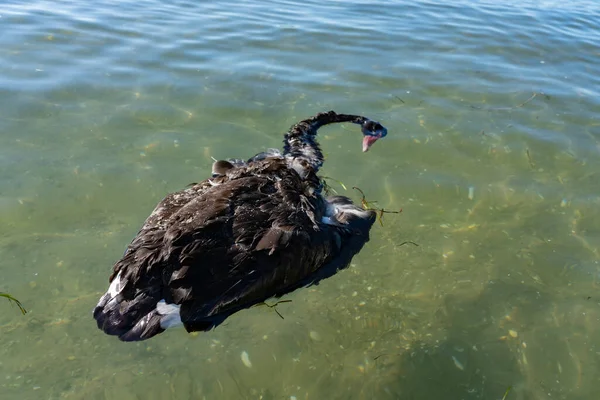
(370, 205)
(274, 306)
(533, 96)
(327, 188)
(367, 205)
(15, 301)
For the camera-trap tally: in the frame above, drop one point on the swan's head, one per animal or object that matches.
(372, 131)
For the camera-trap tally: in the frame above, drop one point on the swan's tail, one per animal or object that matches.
(137, 317)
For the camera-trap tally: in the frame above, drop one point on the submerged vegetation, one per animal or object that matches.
(15, 301)
(366, 204)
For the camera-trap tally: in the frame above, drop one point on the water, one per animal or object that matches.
(492, 154)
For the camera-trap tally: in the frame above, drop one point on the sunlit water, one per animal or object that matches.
(492, 153)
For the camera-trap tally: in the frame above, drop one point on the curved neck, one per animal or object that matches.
(300, 141)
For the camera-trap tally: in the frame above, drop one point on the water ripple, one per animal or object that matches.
(492, 109)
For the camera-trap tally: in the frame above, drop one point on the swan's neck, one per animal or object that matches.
(300, 143)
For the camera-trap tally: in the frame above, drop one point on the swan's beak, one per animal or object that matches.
(368, 141)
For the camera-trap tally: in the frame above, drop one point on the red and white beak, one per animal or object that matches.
(368, 141)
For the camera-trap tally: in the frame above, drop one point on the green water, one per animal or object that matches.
(492, 154)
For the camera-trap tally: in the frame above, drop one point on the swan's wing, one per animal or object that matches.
(261, 238)
(277, 247)
(149, 237)
(136, 283)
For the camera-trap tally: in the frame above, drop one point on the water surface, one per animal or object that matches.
(492, 155)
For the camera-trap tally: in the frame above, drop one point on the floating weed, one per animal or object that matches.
(506, 393)
(15, 301)
(370, 205)
(327, 188)
(274, 306)
(533, 96)
(531, 163)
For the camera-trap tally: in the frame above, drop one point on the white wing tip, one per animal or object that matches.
(170, 316)
(115, 286)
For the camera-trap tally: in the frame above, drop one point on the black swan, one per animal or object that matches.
(257, 229)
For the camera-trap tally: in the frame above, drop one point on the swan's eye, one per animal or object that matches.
(378, 129)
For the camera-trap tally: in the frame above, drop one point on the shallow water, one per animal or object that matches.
(492, 154)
